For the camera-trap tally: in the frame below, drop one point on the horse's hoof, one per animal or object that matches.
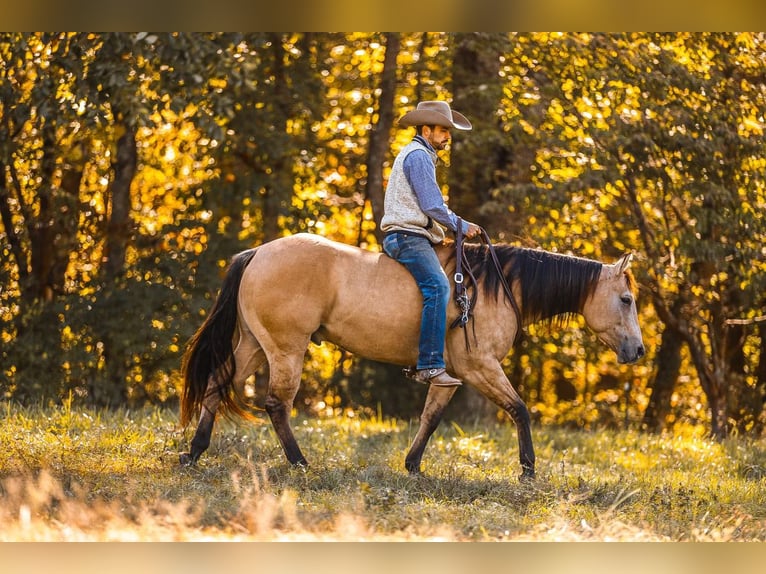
(414, 470)
(185, 459)
(527, 476)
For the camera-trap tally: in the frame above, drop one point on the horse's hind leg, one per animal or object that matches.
(248, 356)
(201, 439)
(437, 400)
(284, 379)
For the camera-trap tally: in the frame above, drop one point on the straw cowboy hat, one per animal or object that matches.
(435, 114)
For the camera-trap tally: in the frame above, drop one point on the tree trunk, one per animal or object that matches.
(719, 427)
(668, 363)
(477, 94)
(713, 380)
(419, 67)
(277, 195)
(67, 220)
(711, 373)
(118, 231)
(381, 131)
(119, 228)
(41, 228)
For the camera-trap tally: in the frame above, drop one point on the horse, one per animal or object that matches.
(278, 297)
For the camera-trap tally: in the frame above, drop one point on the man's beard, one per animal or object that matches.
(438, 146)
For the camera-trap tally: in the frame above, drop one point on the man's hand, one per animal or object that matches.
(473, 230)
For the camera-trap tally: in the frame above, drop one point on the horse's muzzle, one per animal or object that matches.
(629, 354)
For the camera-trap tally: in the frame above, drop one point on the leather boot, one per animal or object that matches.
(438, 377)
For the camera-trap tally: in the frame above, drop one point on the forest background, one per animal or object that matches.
(133, 166)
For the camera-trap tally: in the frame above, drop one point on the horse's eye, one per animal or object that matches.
(626, 299)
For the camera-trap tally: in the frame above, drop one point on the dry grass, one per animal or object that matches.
(77, 475)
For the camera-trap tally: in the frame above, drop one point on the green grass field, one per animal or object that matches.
(68, 474)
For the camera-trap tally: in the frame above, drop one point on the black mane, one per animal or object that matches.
(552, 285)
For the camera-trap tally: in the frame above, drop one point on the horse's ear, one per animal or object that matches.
(623, 262)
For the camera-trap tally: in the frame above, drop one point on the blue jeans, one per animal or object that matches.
(418, 256)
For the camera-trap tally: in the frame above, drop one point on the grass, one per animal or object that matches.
(68, 474)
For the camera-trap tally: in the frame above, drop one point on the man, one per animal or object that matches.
(413, 215)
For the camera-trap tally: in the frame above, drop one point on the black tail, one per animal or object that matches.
(209, 351)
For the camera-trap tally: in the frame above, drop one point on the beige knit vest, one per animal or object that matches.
(401, 209)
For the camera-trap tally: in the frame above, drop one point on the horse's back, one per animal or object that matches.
(323, 266)
(306, 285)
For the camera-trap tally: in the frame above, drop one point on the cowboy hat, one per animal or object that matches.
(433, 113)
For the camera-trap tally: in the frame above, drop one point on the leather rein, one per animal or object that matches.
(463, 270)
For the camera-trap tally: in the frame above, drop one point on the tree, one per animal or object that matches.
(642, 126)
(67, 98)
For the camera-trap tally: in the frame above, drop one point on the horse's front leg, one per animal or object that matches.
(436, 402)
(491, 381)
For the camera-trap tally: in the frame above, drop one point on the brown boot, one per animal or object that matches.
(438, 377)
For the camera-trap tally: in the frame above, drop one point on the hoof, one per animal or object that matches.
(185, 459)
(414, 470)
(527, 476)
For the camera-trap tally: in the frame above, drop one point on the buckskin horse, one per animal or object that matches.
(279, 296)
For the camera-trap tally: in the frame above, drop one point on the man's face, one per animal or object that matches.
(437, 136)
